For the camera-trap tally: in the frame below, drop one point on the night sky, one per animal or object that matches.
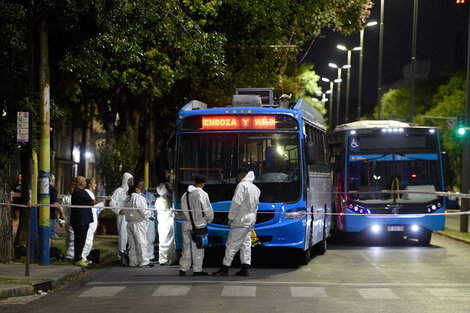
(441, 39)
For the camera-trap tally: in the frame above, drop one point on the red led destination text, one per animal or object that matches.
(238, 122)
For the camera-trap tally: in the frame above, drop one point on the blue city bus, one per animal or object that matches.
(385, 174)
(284, 145)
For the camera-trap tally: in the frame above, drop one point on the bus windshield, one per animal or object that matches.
(370, 174)
(273, 157)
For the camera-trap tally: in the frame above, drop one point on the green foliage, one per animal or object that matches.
(448, 102)
(395, 105)
(307, 85)
(117, 158)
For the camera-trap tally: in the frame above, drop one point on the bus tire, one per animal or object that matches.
(425, 238)
(320, 247)
(305, 256)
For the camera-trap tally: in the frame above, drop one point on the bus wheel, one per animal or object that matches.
(320, 247)
(425, 238)
(305, 256)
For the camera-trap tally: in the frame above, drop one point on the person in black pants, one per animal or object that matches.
(80, 218)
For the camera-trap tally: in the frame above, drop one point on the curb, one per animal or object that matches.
(25, 290)
(50, 285)
(453, 237)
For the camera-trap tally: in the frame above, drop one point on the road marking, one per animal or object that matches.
(172, 290)
(239, 291)
(285, 283)
(102, 291)
(313, 292)
(377, 293)
(445, 292)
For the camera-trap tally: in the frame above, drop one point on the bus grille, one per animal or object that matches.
(221, 218)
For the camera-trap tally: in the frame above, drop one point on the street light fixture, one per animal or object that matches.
(361, 56)
(338, 90)
(348, 67)
(329, 92)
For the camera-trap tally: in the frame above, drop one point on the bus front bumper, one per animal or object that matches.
(393, 223)
(286, 233)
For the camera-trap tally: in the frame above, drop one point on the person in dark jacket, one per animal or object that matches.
(80, 218)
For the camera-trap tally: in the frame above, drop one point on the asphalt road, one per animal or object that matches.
(398, 277)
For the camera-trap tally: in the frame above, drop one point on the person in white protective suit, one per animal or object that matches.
(137, 220)
(67, 200)
(90, 235)
(203, 214)
(117, 201)
(241, 220)
(166, 243)
(150, 199)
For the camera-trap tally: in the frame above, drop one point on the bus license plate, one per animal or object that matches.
(396, 228)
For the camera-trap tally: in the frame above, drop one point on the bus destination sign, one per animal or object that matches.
(239, 122)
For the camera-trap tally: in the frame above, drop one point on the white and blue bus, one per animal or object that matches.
(284, 145)
(385, 175)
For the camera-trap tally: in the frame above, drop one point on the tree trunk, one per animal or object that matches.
(6, 233)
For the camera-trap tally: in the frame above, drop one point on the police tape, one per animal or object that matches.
(299, 213)
(319, 212)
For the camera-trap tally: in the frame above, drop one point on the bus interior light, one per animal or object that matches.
(375, 228)
(432, 131)
(353, 132)
(415, 228)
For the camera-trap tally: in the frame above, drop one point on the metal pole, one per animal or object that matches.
(338, 94)
(347, 86)
(44, 146)
(381, 41)
(465, 174)
(29, 186)
(331, 105)
(359, 92)
(413, 60)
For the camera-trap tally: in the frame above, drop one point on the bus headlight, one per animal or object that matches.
(295, 215)
(179, 215)
(359, 208)
(433, 207)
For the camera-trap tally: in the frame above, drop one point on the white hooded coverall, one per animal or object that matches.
(199, 202)
(137, 220)
(243, 215)
(166, 243)
(69, 254)
(150, 199)
(91, 229)
(117, 200)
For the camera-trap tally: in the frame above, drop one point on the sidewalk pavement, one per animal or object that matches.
(43, 278)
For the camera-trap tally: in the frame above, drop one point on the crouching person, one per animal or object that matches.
(137, 219)
(200, 212)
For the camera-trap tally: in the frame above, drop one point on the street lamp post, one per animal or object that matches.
(348, 77)
(338, 89)
(329, 92)
(361, 57)
(413, 60)
(381, 46)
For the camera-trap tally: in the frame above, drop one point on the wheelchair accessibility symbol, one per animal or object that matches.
(354, 145)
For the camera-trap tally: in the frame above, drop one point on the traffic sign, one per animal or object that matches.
(22, 127)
